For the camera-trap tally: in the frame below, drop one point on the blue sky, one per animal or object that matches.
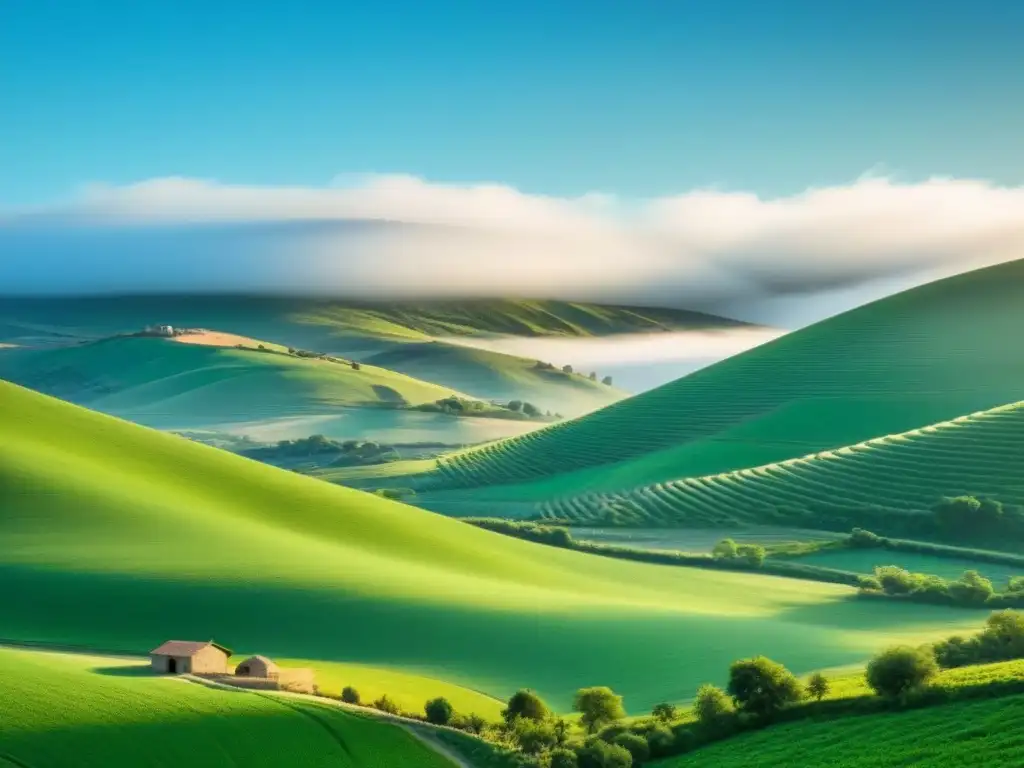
(640, 98)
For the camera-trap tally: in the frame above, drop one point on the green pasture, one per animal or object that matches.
(163, 537)
(865, 560)
(924, 356)
(71, 711)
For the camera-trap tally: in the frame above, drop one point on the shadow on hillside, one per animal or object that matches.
(135, 670)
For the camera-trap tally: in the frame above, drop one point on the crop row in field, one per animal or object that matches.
(920, 357)
(978, 455)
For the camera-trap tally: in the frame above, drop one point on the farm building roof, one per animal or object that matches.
(185, 648)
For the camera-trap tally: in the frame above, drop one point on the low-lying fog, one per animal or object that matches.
(636, 362)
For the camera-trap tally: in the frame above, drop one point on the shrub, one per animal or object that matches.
(525, 704)
(531, 410)
(897, 671)
(895, 580)
(725, 549)
(971, 589)
(386, 704)
(869, 584)
(350, 695)
(566, 369)
(711, 705)
(817, 686)
(534, 736)
(598, 706)
(863, 539)
(564, 758)
(761, 686)
(439, 711)
(636, 745)
(660, 741)
(597, 753)
(664, 712)
(562, 729)
(607, 381)
(752, 553)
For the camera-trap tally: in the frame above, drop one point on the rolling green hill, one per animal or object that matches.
(982, 733)
(162, 383)
(498, 376)
(331, 325)
(977, 455)
(71, 711)
(923, 356)
(163, 538)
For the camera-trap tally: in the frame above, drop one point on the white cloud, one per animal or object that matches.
(788, 259)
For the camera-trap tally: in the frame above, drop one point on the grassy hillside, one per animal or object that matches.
(166, 538)
(983, 733)
(926, 355)
(94, 712)
(164, 383)
(978, 455)
(497, 376)
(313, 323)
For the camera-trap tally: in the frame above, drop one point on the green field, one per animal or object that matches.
(983, 733)
(978, 455)
(164, 538)
(409, 691)
(865, 560)
(71, 711)
(924, 356)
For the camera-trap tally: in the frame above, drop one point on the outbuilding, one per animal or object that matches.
(179, 657)
(258, 666)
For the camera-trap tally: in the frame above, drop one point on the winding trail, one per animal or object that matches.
(419, 730)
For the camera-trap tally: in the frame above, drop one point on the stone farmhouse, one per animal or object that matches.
(179, 657)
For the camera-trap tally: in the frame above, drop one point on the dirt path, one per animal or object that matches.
(416, 728)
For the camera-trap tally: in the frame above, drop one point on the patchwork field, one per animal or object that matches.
(98, 712)
(983, 733)
(99, 521)
(977, 455)
(924, 356)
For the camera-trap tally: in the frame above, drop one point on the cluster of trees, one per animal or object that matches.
(318, 356)
(552, 535)
(313, 445)
(759, 691)
(529, 409)
(971, 590)
(569, 370)
(1001, 639)
(727, 549)
(457, 406)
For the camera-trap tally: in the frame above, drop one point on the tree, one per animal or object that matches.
(607, 381)
(753, 553)
(762, 686)
(566, 369)
(531, 410)
(386, 704)
(863, 539)
(1003, 636)
(954, 516)
(564, 758)
(356, 366)
(897, 671)
(439, 711)
(725, 549)
(817, 686)
(895, 580)
(525, 704)
(636, 745)
(350, 695)
(515, 405)
(711, 705)
(1015, 584)
(592, 376)
(972, 588)
(598, 706)
(598, 753)
(664, 712)
(534, 736)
